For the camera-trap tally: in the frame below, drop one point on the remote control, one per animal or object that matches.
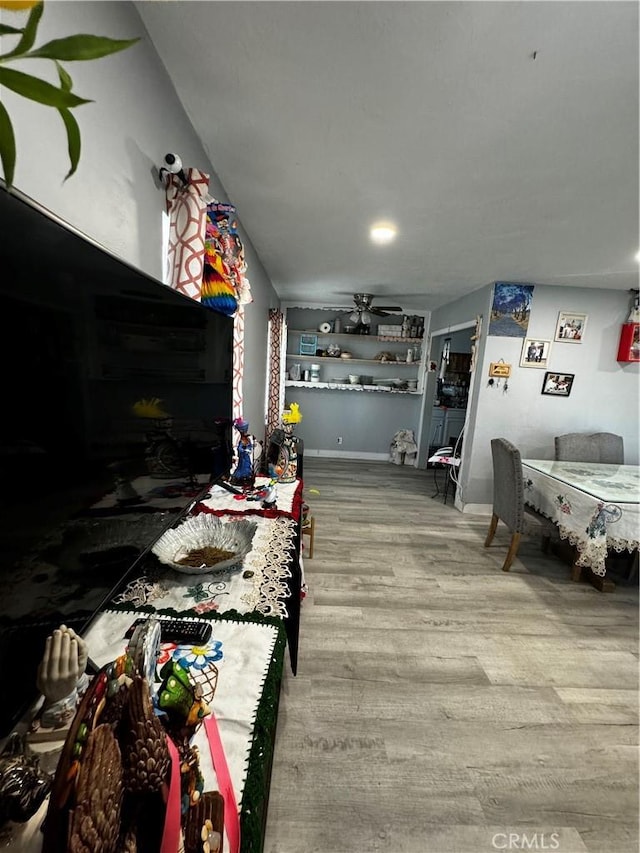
(179, 631)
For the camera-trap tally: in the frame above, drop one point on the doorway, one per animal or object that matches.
(448, 396)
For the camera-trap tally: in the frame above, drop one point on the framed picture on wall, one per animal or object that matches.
(570, 328)
(557, 384)
(535, 353)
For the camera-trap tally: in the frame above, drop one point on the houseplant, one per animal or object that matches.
(74, 48)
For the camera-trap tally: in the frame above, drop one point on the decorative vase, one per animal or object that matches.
(287, 464)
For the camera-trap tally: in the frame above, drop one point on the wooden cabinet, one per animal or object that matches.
(459, 365)
(453, 389)
(446, 424)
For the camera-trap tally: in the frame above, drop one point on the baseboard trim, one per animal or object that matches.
(478, 509)
(348, 454)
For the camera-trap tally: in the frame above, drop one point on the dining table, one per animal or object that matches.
(595, 506)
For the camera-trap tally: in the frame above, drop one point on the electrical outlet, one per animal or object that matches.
(339, 439)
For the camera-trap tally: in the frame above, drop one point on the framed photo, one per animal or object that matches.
(535, 353)
(557, 384)
(570, 328)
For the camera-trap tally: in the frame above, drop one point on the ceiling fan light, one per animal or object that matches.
(354, 317)
(365, 318)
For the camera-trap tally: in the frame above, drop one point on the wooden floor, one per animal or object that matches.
(442, 704)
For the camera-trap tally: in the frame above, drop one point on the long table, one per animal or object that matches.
(596, 507)
(269, 584)
(252, 612)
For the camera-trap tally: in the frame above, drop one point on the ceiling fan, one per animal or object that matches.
(363, 308)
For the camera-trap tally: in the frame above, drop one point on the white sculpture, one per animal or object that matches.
(61, 677)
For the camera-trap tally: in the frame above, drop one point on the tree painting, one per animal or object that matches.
(510, 309)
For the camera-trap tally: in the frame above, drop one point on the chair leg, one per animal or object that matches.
(309, 530)
(513, 550)
(492, 530)
(312, 536)
(633, 570)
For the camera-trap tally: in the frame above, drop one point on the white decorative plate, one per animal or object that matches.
(201, 531)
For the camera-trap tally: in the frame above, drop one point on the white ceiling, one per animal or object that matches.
(320, 118)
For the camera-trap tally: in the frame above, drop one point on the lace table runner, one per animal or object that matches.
(258, 585)
(289, 497)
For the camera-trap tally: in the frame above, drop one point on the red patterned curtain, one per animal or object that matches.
(206, 259)
(238, 362)
(187, 211)
(274, 403)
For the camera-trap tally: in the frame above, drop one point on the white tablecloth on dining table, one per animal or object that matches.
(596, 507)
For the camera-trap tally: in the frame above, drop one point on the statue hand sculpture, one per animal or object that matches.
(61, 668)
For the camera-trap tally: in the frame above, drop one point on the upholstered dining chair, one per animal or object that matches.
(508, 501)
(590, 447)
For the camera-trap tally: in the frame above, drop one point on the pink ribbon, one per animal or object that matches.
(225, 785)
(172, 828)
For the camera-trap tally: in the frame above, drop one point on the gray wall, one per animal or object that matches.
(605, 394)
(366, 421)
(460, 342)
(460, 310)
(114, 197)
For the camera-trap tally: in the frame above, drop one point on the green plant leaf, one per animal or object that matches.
(38, 90)
(7, 145)
(73, 139)
(81, 47)
(66, 82)
(28, 33)
(6, 30)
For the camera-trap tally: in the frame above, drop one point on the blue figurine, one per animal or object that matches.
(243, 474)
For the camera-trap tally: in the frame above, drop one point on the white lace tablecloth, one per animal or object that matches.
(595, 506)
(220, 500)
(259, 584)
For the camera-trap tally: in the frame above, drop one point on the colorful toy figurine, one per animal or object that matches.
(267, 494)
(243, 474)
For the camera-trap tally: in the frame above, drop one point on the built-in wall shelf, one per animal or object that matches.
(340, 386)
(347, 361)
(324, 351)
(351, 336)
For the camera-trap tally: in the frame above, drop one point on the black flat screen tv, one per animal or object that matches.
(83, 337)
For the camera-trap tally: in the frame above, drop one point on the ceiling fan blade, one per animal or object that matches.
(385, 308)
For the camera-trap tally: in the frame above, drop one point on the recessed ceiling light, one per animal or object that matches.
(383, 232)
